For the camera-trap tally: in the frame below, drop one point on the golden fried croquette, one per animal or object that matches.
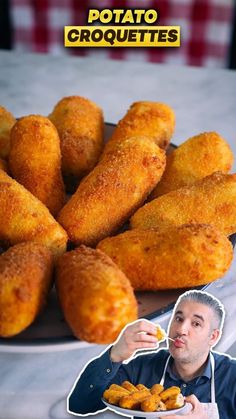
(175, 402)
(35, 160)
(113, 396)
(161, 334)
(134, 400)
(25, 278)
(3, 165)
(152, 119)
(150, 403)
(187, 256)
(141, 387)
(7, 121)
(210, 200)
(169, 392)
(156, 389)
(196, 158)
(129, 386)
(116, 187)
(116, 387)
(24, 218)
(96, 297)
(80, 125)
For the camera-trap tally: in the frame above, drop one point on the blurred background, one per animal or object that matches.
(208, 29)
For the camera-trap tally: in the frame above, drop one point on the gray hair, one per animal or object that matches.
(208, 300)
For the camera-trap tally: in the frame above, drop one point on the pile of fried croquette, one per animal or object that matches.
(181, 208)
(139, 397)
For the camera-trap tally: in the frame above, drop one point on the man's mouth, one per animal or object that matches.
(179, 343)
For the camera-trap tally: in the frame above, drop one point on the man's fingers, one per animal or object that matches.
(193, 400)
(143, 326)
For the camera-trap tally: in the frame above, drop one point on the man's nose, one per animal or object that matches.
(182, 328)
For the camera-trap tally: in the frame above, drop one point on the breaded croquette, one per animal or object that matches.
(129, 386)
(210, 200)
(161, 334)
(134, 400)
(113, 396)
(152, 119)
(96, 298)
(113, 191)
(169, 392)
(116, 387)
(141, 387)
(3, 165)
(24, 218)
(156, 389)
(25, 279)
(196, 158)
(150, 403)
(35, 160)
(175, 402)
(80, 125)
(187, 256)
(7, 121)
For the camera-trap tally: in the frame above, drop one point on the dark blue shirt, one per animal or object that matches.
(148, 369)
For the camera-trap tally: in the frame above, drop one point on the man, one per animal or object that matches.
(207, 379)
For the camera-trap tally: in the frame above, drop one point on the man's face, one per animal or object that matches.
(192, 327)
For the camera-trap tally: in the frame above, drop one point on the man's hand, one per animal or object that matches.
(138, 335)
(197, 412)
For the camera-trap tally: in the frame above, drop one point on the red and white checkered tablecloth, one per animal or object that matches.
(206, 27)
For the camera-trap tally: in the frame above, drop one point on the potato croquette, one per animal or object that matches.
(196, 158)
(96, 298)
(187, 256)
(161, 334)
(7, 121)
(35, 160)
(210, 200)
(113, 191)
(113, 396)
(116, 387)
(169, 392)
(175, 402)
(24, 218)
(141, 387)
(25, 279)
(80, 125)
(150, 403)
(134, 400)
(3, 165)
(156, 389)
(128, 386)
(152, 119)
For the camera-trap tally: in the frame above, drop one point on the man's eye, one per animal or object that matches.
(178, 319)
(196, 324)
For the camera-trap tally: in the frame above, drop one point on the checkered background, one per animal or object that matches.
(206, 27)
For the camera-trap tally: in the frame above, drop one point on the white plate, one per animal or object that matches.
(126, 412)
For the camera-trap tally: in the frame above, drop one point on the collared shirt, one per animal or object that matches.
(148, 369)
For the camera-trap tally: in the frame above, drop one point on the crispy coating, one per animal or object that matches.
(134, 400)
(80, 125)
(3, 165)
(187, 256)
(96, 297)
(113, 191)
(113, 396)
(116, 387)
(129, 386)
(210, 200)
(25, 279)
(169, 392)
(7, 121)
(24, 218)
(150, 403)
(141, 387)
(35, 160)
(161, 334)
(152, 119)
(175, 402)
(196, 158)
(156, 389)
